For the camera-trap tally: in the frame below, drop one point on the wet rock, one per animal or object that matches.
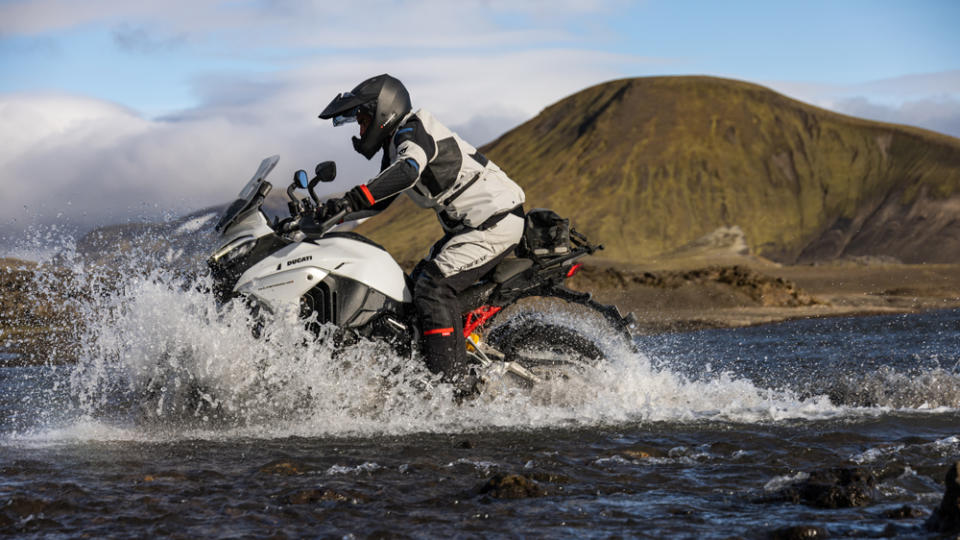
(890, 470)
(904, 512)
(643, 452)
(830, 488)
(893, 530)
(165, 476)
(38, 524)
(945, 519)
(798, 532)
(284, 468)
(26, 506)
(30, 514)
(234, 512)
(512, 486)
(553, 478)
(309, 496)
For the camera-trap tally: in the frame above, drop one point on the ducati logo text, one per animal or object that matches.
(298, 260)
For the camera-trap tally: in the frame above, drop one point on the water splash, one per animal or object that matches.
(931, 388)
(156, 359)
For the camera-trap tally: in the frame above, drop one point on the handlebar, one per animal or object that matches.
(289, 226)
(333, 220)
(310, 226)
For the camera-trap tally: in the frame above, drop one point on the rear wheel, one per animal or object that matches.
(545, 348)
(560, 332)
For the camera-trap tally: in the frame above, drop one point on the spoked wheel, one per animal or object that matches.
(544, 347)
(563, 332)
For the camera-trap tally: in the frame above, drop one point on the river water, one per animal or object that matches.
(175, 421)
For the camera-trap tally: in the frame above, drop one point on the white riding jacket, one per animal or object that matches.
(439, 170)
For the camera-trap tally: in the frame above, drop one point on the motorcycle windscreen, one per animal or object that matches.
(248, 192)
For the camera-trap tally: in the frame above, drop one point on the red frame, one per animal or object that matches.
(477, 317)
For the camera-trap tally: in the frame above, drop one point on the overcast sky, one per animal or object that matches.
(112, 110)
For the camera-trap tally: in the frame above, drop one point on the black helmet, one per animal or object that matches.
(384, 98)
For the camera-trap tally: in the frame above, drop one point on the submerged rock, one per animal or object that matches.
(512, 486)
(284, 468)
(945, 519)
(830, 488)
(308, 496)
(643, 452)
(798, 532)
(904, 512)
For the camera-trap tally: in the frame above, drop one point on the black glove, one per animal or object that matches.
(352, 201)
(332, 207)
(359, 198)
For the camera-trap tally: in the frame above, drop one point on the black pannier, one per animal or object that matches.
(545, 235)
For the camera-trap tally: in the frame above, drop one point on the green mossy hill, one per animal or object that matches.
(650, 164)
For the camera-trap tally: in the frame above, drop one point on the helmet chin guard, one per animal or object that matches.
(387, 101)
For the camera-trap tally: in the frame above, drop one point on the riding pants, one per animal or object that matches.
(455, 262)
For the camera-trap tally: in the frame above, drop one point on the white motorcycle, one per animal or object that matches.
(300, 267)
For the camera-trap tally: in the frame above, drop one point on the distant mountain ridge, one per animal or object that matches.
(647, 165)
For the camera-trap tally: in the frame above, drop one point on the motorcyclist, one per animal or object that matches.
(479, 207)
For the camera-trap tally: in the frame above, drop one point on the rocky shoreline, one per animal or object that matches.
(35, 318)
(738, 292)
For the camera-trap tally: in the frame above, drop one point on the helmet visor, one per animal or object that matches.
(346, 117)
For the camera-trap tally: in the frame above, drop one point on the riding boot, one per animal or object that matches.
(441, 324)
(444, 352)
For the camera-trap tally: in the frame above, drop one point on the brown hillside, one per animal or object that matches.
(650, 164)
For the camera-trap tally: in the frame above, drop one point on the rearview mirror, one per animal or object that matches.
(326, 171)
(300, 178)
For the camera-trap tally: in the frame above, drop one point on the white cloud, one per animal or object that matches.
(937, 114)
(942, 83)
(319, 23)
(457, 88)
(486, 127)
(140, 39)
(33, 120)
(927, 100)
(110, 164)
(91, 162)
(38, 16)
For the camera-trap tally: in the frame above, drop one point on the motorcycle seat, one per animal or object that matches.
(509, 268)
